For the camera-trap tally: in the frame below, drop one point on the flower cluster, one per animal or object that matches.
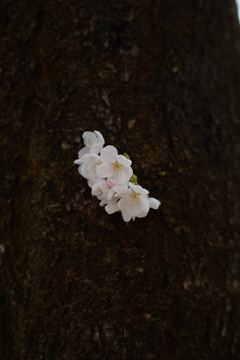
(111, 178)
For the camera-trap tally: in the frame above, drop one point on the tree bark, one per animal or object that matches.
(161, 82)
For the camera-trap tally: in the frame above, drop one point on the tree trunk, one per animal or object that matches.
(161, 82)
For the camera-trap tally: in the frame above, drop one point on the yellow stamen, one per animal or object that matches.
(133, 198)
(117, 167)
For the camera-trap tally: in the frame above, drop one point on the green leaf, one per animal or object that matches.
(133, 179)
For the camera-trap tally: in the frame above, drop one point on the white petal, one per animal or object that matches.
(79, 170)
(84, 171)
(100, 137)
(93, 166)
(89, 138)
(128, 172)
(112, 207)
(85, 150)
(120, 190)
(144, 202)
(96, 191)
(134, 208)
(90, 183)
(117, 191)
(78, 162)
(154, 203)
(124, 161)
(109, 154)
(86, 158)
(110, 194)
(96, 148)
(142, 214)
(123, 202)
(96, 158)
(100, 189)
(121, 177)
(126, 216)
(104, 170)
(138, 189)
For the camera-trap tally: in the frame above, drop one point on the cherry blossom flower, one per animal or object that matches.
(100, 189)
(108, 196)
(88, 164)
(117, 168)
(134, 202)
(112, 180)
(94, 142)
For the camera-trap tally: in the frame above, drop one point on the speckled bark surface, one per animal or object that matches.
(161, 82)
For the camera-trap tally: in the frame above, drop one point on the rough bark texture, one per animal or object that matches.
(161, 82)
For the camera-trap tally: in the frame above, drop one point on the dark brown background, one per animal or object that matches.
(161, 81)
